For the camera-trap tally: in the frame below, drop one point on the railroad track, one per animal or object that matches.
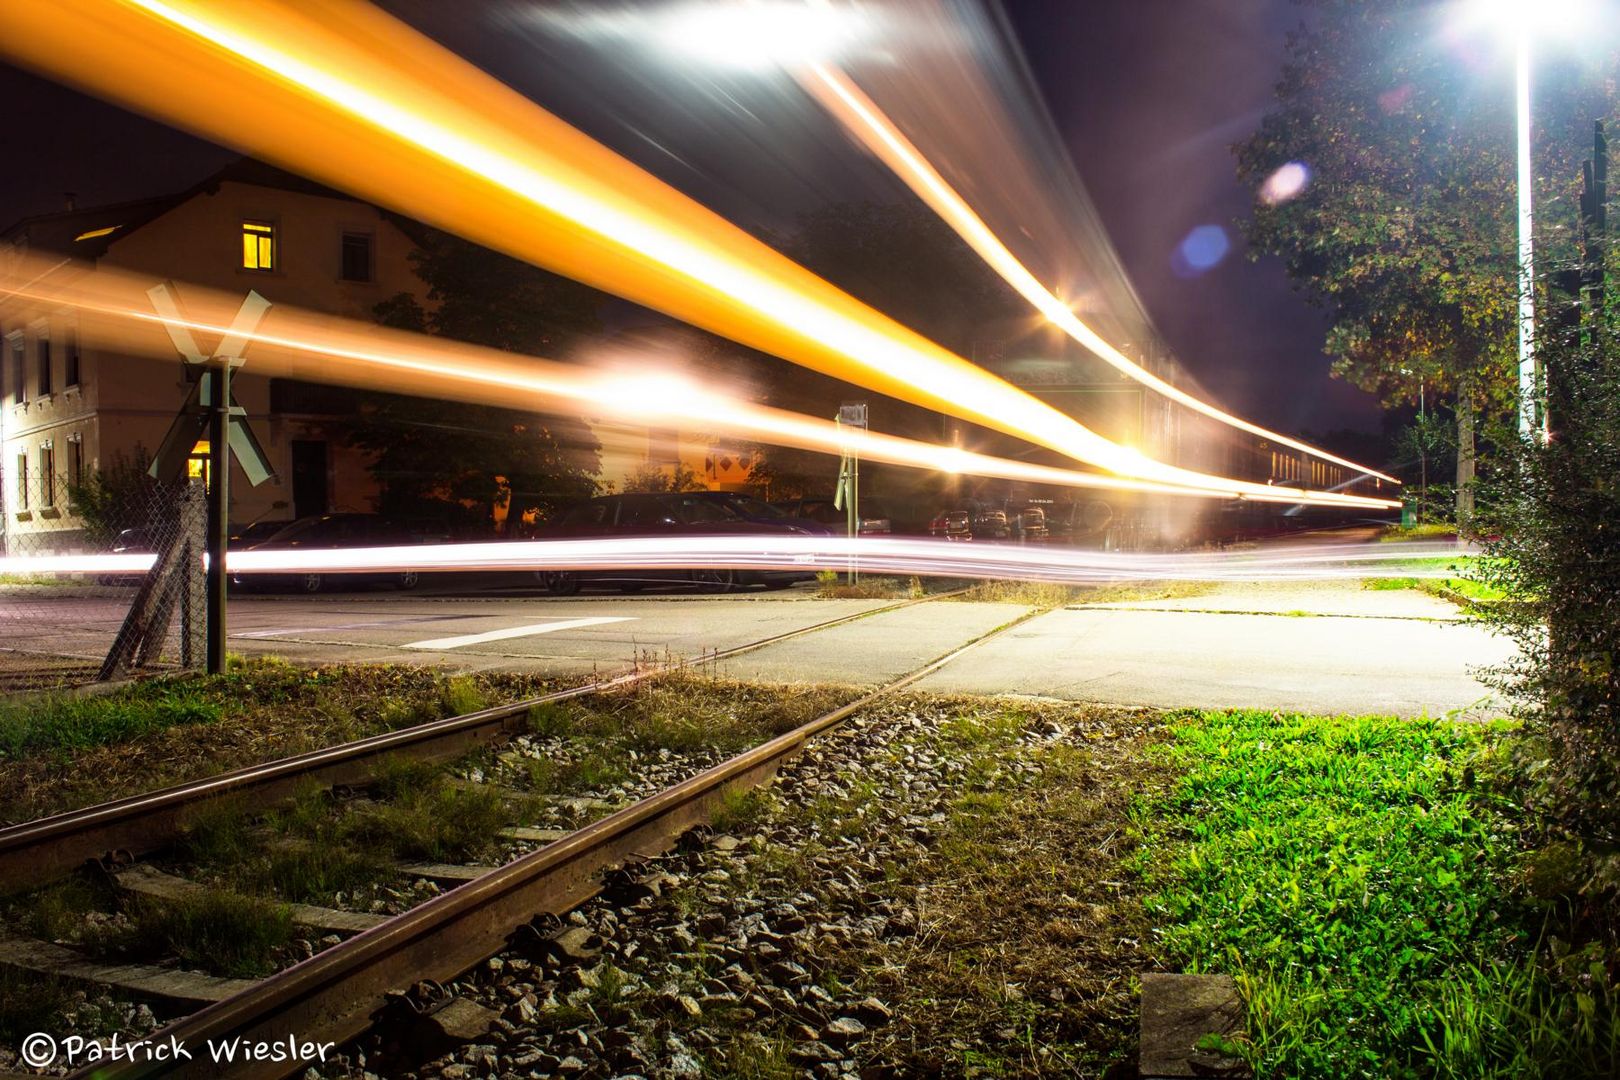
(340, 992)
(570, 871)
(38, 852)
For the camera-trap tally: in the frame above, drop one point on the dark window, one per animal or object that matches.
(595, 512)
(356, 256)
(70, 359)
(19, 372)
(644, 511)
(47, 476)
(42, 350)
(22, 480)
(75, 470)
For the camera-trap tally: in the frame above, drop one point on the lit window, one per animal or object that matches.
(197, 462)
(355, 261)
(258, 246)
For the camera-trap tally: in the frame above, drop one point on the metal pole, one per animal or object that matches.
(1530, 422)
(855, 512)
(219, 474)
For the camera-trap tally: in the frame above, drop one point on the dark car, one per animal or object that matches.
(753, 508)
(244, 536)
(952, 525)
(322, 532)
(1029, 524)
(875, 519)
(686, 513)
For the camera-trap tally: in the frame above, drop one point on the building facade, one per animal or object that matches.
(72, 403)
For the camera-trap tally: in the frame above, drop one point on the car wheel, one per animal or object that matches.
(310, 583)
(408, 579)
(558, 582)
(715, 580)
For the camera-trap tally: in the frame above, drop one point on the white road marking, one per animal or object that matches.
(515, 632)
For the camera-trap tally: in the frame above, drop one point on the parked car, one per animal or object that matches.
(257, 532)
(686, 513)
(875, 519)
(952, 525)
(753, 508)
(1029, 524)
(322, 532)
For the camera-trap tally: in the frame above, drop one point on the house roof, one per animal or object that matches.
(87, 233)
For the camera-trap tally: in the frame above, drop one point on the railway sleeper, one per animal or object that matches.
(171, 986)
(143, 880)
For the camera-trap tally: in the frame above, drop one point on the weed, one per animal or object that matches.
(459, 695)
(30, 1003)
(742, 810)
(216, 930)
(59, 724)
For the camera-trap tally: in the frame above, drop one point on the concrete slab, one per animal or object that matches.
(875, 649)
(1173, 659)
(1345, 598)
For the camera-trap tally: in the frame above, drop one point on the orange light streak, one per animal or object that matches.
(343, 93)
(863, 119)
(306, 345)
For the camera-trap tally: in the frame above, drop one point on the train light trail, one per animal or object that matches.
(345, 94)
(891, 555)
(867, 123)
(323, 348)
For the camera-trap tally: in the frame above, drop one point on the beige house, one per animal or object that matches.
(70, 402)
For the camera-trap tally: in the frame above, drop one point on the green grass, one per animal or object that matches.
(216, 930)
(1434, 531)
(1352, 874)
(57, 724)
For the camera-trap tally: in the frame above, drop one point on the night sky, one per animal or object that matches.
(1148, 95)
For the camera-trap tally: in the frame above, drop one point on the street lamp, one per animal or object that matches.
(1521, 20)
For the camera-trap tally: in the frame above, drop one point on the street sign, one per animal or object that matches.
(197, 413)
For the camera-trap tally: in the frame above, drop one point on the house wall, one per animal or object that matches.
(124, 403)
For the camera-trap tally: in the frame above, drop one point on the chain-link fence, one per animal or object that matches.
(59, 629)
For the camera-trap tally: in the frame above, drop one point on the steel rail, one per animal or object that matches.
(36, 852)
(337, 994)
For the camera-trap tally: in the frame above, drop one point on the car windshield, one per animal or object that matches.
(307, 529)
(694, 510)
(753, 507)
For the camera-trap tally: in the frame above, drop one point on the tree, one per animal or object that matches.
(121, 495)
(1405, 233)
(651, 479)
(469, 459)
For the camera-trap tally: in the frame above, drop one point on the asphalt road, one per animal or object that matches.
(1330, 647)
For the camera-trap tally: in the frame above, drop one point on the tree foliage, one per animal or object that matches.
(1555, 518)
(1405, 232)
(120, 495)
(463, 458)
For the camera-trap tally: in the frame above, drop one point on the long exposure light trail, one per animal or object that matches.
(344, 93)
(891, 555)
(307, 345)
(863, 119)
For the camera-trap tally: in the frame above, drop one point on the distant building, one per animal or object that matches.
(72, 403)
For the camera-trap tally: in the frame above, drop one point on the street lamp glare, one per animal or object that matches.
(756, 35)
(1528, 18)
